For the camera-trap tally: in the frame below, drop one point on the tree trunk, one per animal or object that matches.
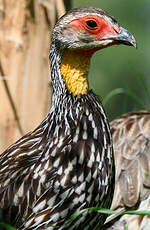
(25, 28)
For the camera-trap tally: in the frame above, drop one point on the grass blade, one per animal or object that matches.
(113, 93)
(109, 212)
(128, 92)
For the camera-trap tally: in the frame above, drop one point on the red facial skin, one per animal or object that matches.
(103, 28)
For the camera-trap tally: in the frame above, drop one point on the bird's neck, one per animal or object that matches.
(74, 70)
(69, 72)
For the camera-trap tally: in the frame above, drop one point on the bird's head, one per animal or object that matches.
(80, 33)
(90, 28)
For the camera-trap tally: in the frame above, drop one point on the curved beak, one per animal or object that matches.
(123, 37)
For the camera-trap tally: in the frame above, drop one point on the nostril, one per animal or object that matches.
(116, 28)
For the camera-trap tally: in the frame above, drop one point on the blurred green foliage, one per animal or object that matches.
(123, 66)
(7, 226)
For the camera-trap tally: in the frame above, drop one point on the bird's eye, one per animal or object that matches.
(91, 24)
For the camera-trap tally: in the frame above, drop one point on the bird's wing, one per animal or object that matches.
(131, 140)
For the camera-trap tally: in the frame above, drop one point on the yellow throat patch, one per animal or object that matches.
(74, 69)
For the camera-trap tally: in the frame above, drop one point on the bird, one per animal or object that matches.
(66, 164)
(131, 142)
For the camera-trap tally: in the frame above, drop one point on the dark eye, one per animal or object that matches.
(91, 24)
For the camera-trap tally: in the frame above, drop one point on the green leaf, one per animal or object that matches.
(7, 226)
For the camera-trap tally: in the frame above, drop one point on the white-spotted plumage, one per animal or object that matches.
(74, 179)
(61, 167)
(54, 168)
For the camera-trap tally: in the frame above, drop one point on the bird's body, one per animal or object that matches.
(66, 164)
(131, 139)
(61, 169)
